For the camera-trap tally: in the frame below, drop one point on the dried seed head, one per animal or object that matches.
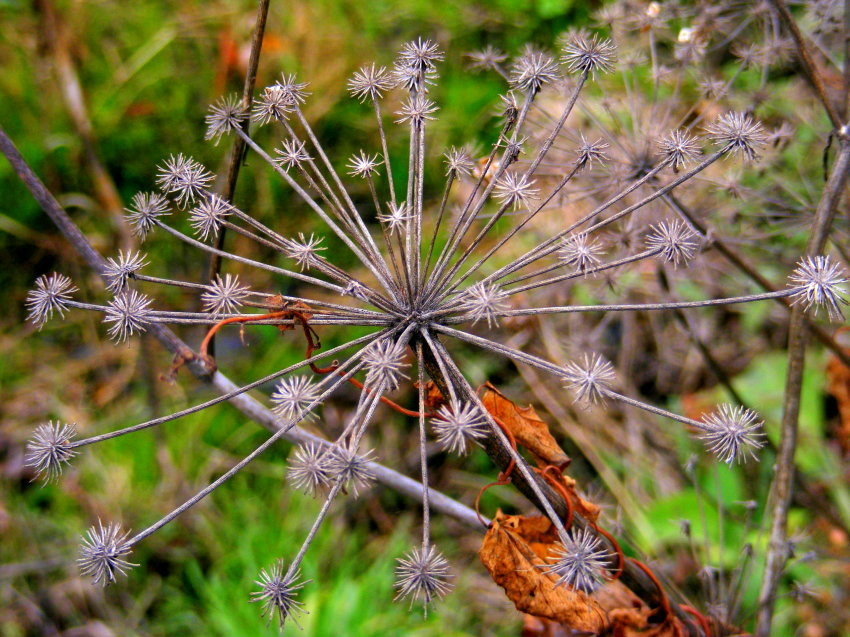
(225, 115)
(580, 253)
(732, 433)
(713, 87)
(207, 216)
(590, 379)
(293, 91)
(395, 218)
(308, 468)
(677, 242)
(679, 148)
(49, 449)
(292, 154)
(820, 282)
(458, 162)
(579, 561)
(274, 105)
(277, 594)
(413, 80)
(118, 271)
(508, 108)
(225, 295)
(416, 109)
(102, 553)
(486, 59)
(531, 71)
(419, 54)
(739, 134)
(294, 395)
(345, 464)
(515, 190)
(484, 301)
(305, 251)
(422, 575)
(458, 425)
(385, 363)
(589, 55)
(146, 208)
(51, 294)
(370, 82)
(589, 152)
(183, 177)
(362, 165)
(128, 313)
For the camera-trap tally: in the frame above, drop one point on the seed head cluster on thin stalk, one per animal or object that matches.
(426, 279)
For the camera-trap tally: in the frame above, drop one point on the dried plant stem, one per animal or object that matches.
(781, 489)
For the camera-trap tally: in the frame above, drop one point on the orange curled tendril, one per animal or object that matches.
(556, 484)
(665, 603)
(701, 619)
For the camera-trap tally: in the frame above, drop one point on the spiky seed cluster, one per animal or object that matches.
(183, 177)
(458, 425)
(370, 82)
(49, 449)
(732, 433)
(293, 90)
(458, 162)
(514, 189)
(395, 218)
(277, 594)
(416, 109)
(385, 364)
(145, 209)
(294, 395)
(589, 152)
(415, 66)
(486, 59)
(363, 165)
(119, 271)
(485, 301)
(821, 282)
(225, 115)
(679, 148)
(531, 71)
(127, 314)
(225, 295)
(579, 561)
(291, 154)
(589, 55)
(102, 553)
(346, 464)
(676, 241)
(590, 379)
(422, 575)
(580, 253)
(206, 218)
(305, 251)
(274, 105)
(738, 134)
(51, 294)
(308, 468)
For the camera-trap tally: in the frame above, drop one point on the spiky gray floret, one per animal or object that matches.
(487, 58)
(293, 90)
(589, 55)
(732, 433)
(739, 134)
(277, 594)
(370, 82)
(514, 189)
(348, 465)
(51, 294)
(579, 561)
(419, 54)
(49, 449)
(128, 313)
(457, 425)
(485, 301)
(274, 105)
(422, 575)
(304, 251)
(293, 395)
(144, 211)
(822, 284)
(590, 378)
(589, 152)
(291, 154)
(458, 162)
(206, 218)
(385, 363)
(225, 295)
(225, 115)
(531, 71)
(580, 252)
(416, 109)
(680, 148)
(677, 242)
(309, 469)
(363, 165)
(102, 553)
(395, 218)
(183, 177)
(118, 271)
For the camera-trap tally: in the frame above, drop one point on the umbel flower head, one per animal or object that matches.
(428, 280)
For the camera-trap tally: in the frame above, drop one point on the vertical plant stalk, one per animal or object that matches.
(798, 334)
(238, 150)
